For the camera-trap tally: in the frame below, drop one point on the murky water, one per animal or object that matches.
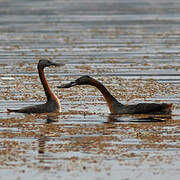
(132, 47)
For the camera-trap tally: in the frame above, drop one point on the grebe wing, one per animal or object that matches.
(40, 108)
(151, 108)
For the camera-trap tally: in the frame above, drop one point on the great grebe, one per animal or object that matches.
(116, 107)
(52, 104)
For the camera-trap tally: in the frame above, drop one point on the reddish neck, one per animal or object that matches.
(49, 94)
(111, 101)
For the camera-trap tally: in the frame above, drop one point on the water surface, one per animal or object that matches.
(132, 47)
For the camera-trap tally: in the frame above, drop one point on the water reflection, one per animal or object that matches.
(43, 137)
(51, 119)
(138, 118)
(122, 139)
(122, 132)
(42, 143)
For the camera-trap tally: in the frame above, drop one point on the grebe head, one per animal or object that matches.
(45, 63)
(83, 80)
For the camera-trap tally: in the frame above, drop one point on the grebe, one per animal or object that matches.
(116, 107)
(52, 104)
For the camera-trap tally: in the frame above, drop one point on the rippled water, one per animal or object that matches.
(132, 47)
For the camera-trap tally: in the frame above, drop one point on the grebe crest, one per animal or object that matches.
(83, 80)
(46, 63)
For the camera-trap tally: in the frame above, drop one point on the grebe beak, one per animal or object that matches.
(68, 85)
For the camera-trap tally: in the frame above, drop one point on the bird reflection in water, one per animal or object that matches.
(138, 118)
(43, 138)
(42, 143)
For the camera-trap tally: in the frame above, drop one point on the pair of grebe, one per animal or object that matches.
(115, 107)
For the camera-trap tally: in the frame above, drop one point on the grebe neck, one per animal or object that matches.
(49, 93)
(110, 99)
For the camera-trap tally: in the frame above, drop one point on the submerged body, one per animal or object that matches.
(52, 104)
(116, 107)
